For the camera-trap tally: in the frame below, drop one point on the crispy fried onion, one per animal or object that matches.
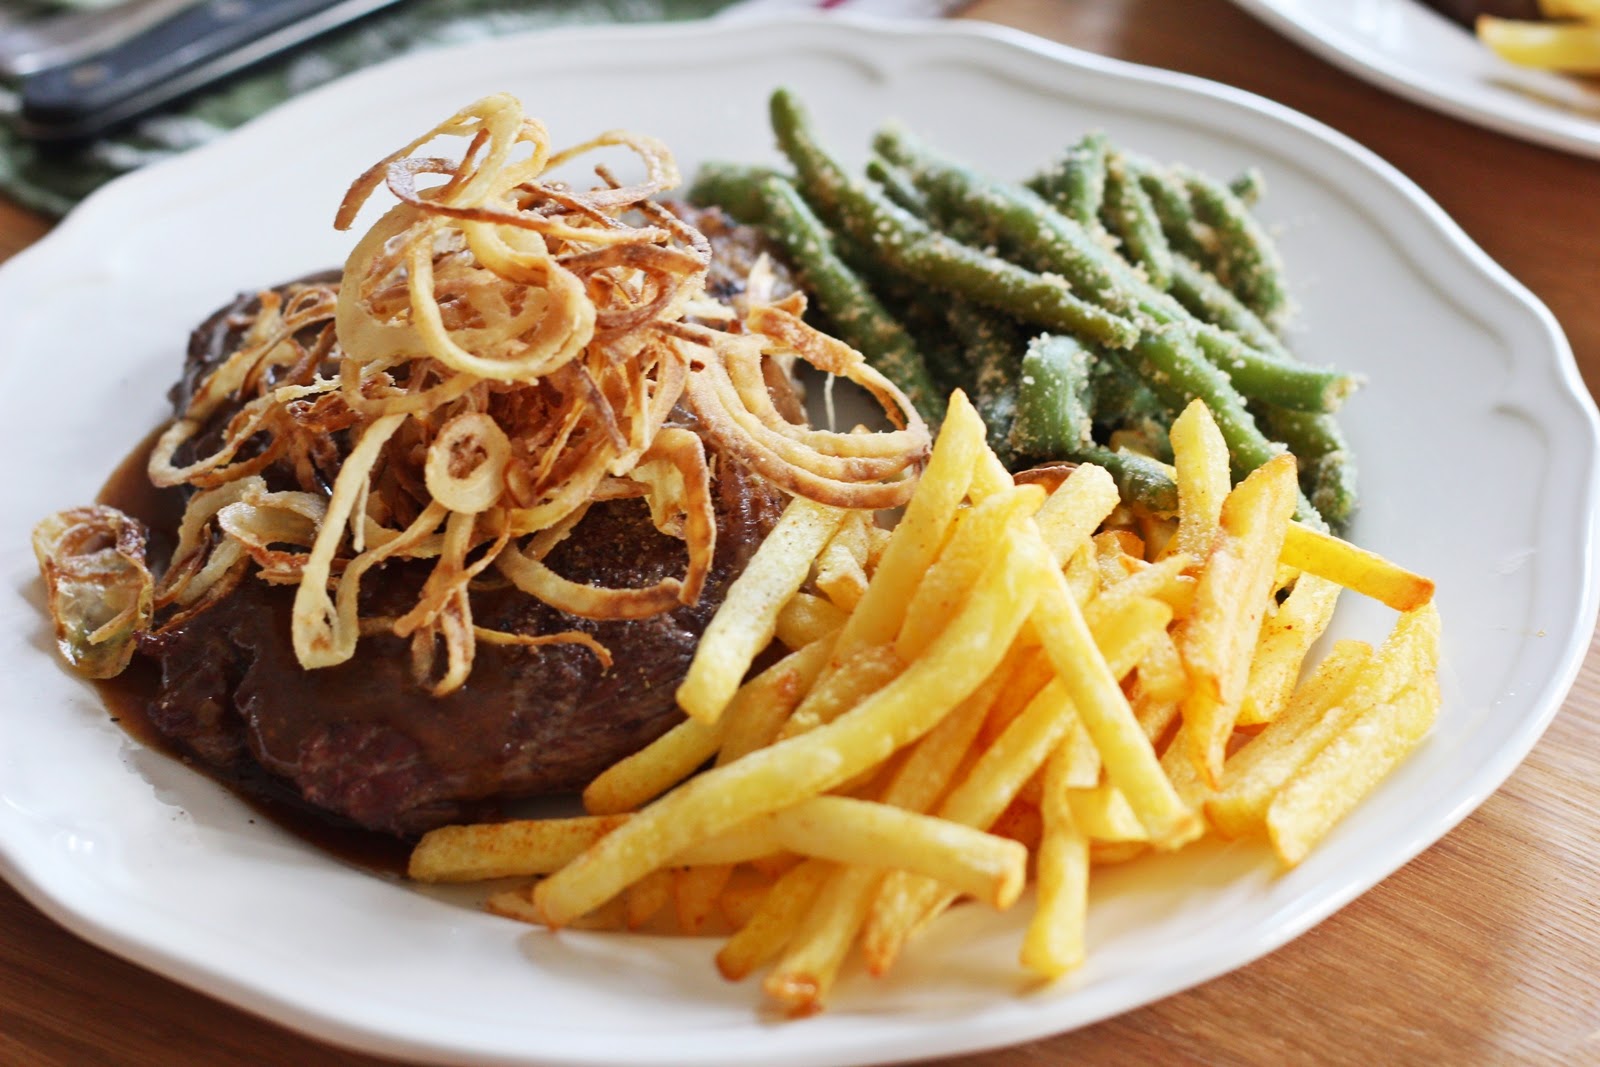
(502, 352)
(101, 593)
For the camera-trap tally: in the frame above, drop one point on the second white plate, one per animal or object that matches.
(1415, 52)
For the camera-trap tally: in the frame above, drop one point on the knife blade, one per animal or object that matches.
(185, 52)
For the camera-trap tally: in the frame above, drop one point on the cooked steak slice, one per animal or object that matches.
(364, 742)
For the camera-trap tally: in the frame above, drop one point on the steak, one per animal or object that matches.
(365, 744)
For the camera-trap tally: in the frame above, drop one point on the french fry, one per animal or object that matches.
(1102, 814)
(501, 850)
(518, 904)
(774, 778)
(651, 771)
(959, 563)
(1281, 649)
(848, 681)
(1075, 510)
(806, 619)
(1572, 47)
(647, 898)
(1088, 677)
(1164, 581)
(1054, 942)
(695, 891)
(840, 568)
(764, 703)
(922, 530)
(1081, 763)
(1353, 763)
(740, 898)
(805, 974)
(1230, 600)
(769, 929)
(1347, 684)
(1200, 467)
(748, 617)
(1355, 568)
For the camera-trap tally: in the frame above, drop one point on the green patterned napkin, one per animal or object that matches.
(52, 179)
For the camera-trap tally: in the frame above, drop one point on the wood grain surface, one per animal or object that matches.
(1484, 950)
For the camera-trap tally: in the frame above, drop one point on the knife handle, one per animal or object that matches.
(79, 99)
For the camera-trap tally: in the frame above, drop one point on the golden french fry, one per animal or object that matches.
(1083, 574)
(1102, 814)
(500, 850)
(960, 561)
(840, 569)
(740, 898)
(1053, 944)
(1355, 568)
(916, 539)
(1281, 649)
(1353, 763)
(1075, 510)
(1104, 853)
(695, 891)
(1230, 600)
(1165, 581)
(801, 980)
(660, 765)
(1582, 10)
(1570, 47)
(763, 704)
(1200, 467)
(518, 904)
(770, 928)
(848, 681)
(1020, 822)
(647, 897)
(1084, 672)
(773, 778)
(745, 623)
(1082, 763)
(806, 619)
(1342, 688)
(904, 902)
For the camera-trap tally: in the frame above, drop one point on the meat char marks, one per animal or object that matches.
(365, 744)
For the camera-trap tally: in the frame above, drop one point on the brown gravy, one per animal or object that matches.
(128, 696)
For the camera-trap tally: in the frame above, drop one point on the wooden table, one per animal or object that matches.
(1486, 949)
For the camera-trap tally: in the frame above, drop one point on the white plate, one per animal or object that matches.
(1479, 450)
(1415, 52)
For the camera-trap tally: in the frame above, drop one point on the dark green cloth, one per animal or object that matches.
(52, 179)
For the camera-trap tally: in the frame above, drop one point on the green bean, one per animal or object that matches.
(1121, 397)
(1327, 466)
(1247, 260)
(1044, 239)
(1173, 208)
(993, 346)
(1076, 185)
(898, 188)
(1053, 400)
(1018, 217)
(910, 245)
(1209, 300)
(733, 187)
(1138, 477)
(850, 306)
(1170, 360)
(1128, 212)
